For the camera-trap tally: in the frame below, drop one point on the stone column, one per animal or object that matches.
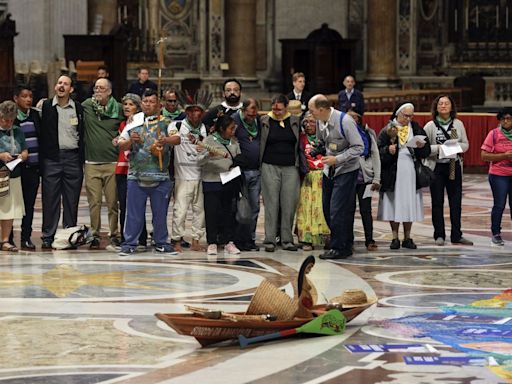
(381, 46)
(240, 35)
(105, 8)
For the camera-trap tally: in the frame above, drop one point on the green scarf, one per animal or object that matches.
(312, 139)
(171, 115)
(507, 134)
(21, 116)
(443, 122)
(252, 129)
(111, 110)
(195, 130)
(220, 139)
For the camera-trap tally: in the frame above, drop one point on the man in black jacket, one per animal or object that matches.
(298, 92)
(62, 157)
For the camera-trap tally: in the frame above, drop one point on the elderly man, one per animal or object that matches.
(103, 114)
(350, 98)
(148, 175)
(248, 135)
(232, 93)
(61, 149)
(341, 167)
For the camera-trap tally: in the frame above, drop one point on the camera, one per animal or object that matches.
(319, 149)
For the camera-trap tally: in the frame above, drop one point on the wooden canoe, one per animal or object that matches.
(211, 331)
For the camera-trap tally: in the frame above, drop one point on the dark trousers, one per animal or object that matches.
(219, 214)
(246, 233)
(365, 209)
(339, 205)
(30, 178)
(501, 187)
(61, 181)
(454, 192)
(122, 186)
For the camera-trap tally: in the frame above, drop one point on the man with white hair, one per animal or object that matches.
(103, 114)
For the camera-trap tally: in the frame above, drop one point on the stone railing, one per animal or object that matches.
(498, 91)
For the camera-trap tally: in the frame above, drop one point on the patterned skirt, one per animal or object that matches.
(311, 225)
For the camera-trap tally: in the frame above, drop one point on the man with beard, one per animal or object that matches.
(103, 114)
(248, 134)
(232, 94)
(61, 145)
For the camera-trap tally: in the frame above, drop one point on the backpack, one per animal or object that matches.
(365, 136)
(70, 238)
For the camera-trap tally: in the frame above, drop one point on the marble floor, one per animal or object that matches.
(85, 316)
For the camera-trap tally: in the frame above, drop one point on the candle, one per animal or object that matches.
(119, 15)
(456, 21)
(506, 17)
(497, 16)
(125, 12)
(467, 18)
(476, 16)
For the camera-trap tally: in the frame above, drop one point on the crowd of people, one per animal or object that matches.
(310, 162)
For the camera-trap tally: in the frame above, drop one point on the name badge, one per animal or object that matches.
(73, 120)
(333, 146)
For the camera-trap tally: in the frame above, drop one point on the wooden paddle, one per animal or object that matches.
(330, 323)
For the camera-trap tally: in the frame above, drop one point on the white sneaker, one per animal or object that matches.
(231, 249)
(212, 249)
(440, 241)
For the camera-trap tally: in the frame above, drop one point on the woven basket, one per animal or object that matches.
(268, 299)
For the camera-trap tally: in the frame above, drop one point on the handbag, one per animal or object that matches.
(424, 175)
(243, 205)
(4, 181)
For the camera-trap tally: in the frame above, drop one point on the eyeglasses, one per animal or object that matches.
(407, 116)
(506, 118)
(171, 101)
(100, 88)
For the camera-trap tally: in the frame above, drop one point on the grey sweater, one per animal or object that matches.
(213, 165)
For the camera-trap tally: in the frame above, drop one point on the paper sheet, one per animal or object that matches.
(449, 149)
(368, 191)
(412, 142)
(12, 164)
(233, 173)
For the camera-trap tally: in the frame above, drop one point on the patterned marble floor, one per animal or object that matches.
(88, 316)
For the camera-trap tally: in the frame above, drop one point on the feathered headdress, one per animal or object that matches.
(202, 99)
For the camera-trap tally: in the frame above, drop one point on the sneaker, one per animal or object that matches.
(115, 241)
(289, 247)
(269, 247)
(142, 248)
(112, 248)
(231, 249)
(165, 249)
(47, 244)
(440, 241)
(463, 241)
(497, 240)
(212, 249)
(127, 251)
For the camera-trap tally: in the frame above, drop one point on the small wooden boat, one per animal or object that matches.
(209, 331)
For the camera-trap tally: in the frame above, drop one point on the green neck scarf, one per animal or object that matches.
(507, 134)
(194, 130)
(171, 115)
(21, 116)
(220, 139)
(312, 139)
(443, 122)
(111, 110)
(252, 129)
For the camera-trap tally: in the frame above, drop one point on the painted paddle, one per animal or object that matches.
(330, 323)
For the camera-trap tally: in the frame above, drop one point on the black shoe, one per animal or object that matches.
(95, 243)
(289, 247)
(334, 254)
(242, 247)
(47, 244)
(115, 241)
(395, 244)
(27, 244)
(185, 243)
(269, 247)
(408, 243)
(252, 247)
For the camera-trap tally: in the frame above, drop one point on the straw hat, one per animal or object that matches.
(295, 107)
(268, 299)
(351, 298)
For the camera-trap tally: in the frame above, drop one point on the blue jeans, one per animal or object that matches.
(246, 233)
(501, 187)
(339, 206)
(136, 212)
